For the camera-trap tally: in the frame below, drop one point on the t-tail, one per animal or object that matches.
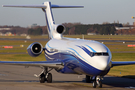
(54, 30)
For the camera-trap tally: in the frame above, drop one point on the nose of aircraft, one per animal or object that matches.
(103, 63)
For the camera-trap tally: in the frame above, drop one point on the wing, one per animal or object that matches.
(118, 63)
(42, 6)
(51, 64)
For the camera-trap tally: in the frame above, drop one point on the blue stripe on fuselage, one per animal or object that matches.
(51, 13)
(85, 49)
(48, 45)
(77, 53)
(91, 48)
(79, 65)
(74, 64)
(48, 25)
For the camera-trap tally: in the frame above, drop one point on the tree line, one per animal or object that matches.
(71, 29)
(105, 29)
(36, 31)
(77, 28)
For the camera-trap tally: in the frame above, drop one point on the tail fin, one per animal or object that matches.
(46, 7)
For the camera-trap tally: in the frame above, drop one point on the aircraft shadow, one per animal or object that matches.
(129, 76)
(111, 81)
(119, 82)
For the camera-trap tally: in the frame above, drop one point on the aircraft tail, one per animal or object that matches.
(54, 31)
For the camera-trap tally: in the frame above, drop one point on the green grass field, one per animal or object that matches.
(104, 37)
(120, 51)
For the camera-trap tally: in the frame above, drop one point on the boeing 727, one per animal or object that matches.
(68, 55)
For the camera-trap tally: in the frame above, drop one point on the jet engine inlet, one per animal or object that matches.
(60, 29)
(35, 49)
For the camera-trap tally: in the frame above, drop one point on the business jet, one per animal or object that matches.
(68, 55)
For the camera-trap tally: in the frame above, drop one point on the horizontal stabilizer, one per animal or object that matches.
(26, 6)
(42, 6)
(64, 6)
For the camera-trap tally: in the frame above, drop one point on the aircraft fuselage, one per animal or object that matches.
(79, 56)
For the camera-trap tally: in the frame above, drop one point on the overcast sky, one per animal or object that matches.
(94, 12)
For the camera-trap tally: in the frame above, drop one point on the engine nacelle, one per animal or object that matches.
(60, 29)
(35, 49)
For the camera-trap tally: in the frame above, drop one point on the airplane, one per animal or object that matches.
(68, 55)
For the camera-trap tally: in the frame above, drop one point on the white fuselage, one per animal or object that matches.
(87, 56)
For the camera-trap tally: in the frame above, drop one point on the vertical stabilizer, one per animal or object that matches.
(49, 18)
(54, 31)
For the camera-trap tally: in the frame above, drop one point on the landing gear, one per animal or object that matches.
(99, 84)
(45, 76)
(94, 84)
(42, 78)
(97, 81)
(49, 78)
(88, 79)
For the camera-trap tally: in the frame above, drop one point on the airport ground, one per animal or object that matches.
(23, 77)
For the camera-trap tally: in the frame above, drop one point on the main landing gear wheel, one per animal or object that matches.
(42, 78)
(88, 79)
(49, 78)
(45, 76)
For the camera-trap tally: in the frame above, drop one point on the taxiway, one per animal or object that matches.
(21, 78)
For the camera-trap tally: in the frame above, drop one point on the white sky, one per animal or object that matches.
(94, 11)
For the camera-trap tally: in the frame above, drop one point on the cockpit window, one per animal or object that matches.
(105, 54)
(98, 54)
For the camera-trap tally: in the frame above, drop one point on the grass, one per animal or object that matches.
(24, 37)
(121, 71)
(126, 70)
(123, 56)
(104, 37)
(21, 57)
(8, 54)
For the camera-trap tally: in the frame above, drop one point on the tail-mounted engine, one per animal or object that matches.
(59, 30)
(35, 49)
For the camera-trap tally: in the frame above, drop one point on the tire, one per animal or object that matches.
(42, 78)
(100, 84)
(88, 79)
(49, 78)
(94, 84)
